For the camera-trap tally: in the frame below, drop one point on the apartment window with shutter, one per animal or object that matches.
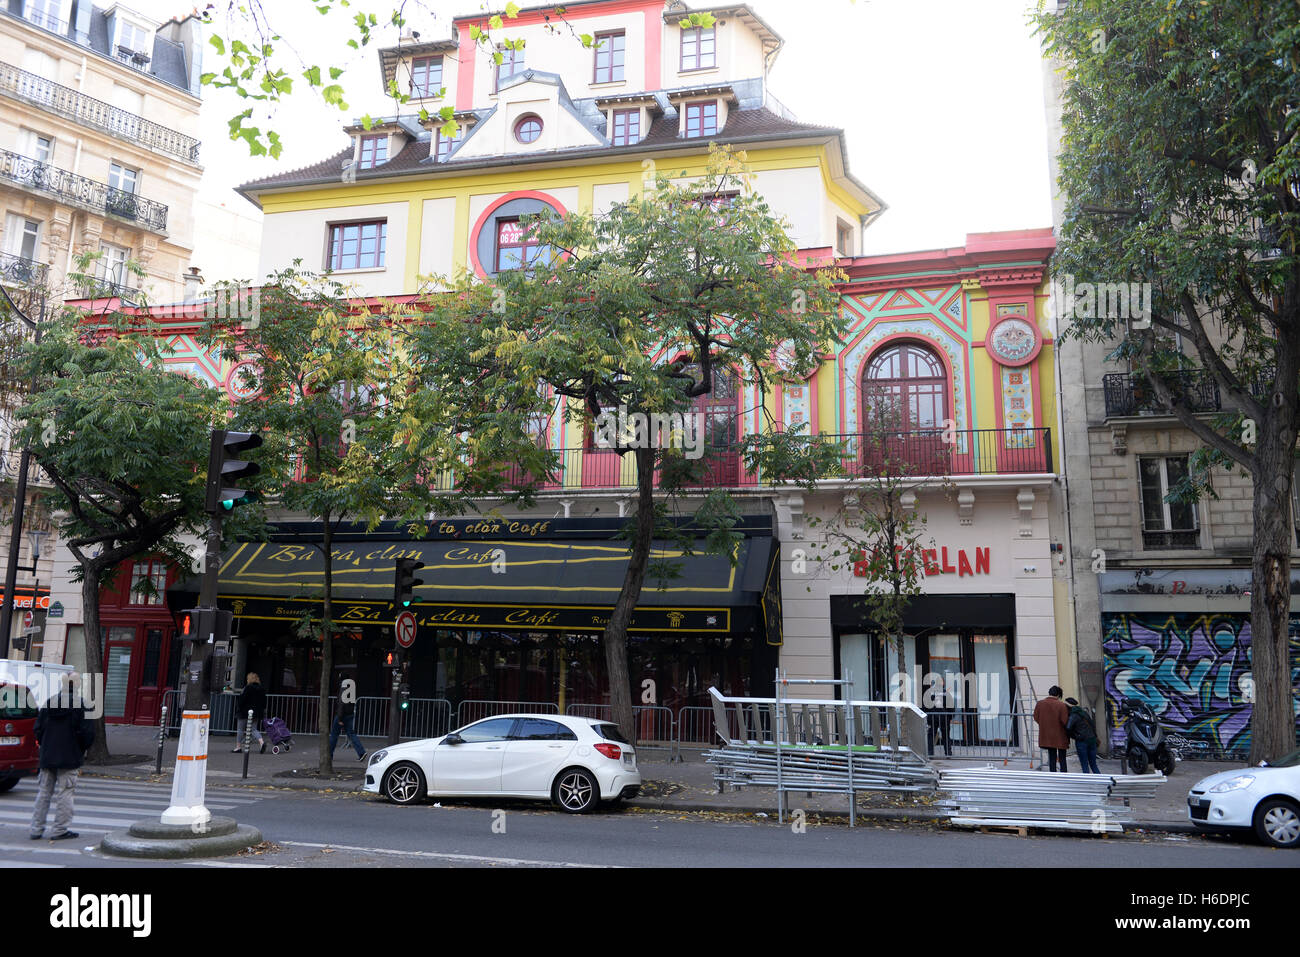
(1166, 525)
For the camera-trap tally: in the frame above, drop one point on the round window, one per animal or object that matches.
(528, 129)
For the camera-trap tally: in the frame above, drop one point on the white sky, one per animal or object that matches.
(941, 102)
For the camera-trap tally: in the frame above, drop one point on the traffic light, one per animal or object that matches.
(390, 660)
(405, 692)
(224, 469)
(198, 624)
(405, 582)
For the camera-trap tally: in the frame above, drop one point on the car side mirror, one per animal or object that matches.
(453, 738)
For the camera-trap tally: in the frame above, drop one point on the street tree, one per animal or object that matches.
(640, 311)
(125, 445)
(1180, 166)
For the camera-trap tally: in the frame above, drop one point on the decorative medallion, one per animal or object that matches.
(243, 382)
(1013, 341)
(786, 361)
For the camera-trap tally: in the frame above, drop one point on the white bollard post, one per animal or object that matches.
(190, 780)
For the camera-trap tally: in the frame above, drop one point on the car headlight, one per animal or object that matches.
(377, 756)
(1233, 784)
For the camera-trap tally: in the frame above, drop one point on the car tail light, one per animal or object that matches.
(611, 751)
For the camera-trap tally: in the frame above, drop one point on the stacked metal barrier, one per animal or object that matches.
(991, 797)
(812, 768)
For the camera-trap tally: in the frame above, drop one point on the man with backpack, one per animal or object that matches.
(1081, 728)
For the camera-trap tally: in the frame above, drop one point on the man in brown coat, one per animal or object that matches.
(1052, 715)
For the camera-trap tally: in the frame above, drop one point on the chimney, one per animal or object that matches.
(193, 283)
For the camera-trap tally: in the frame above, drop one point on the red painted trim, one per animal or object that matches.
(654, 38)
(465, 73)
(487, 213)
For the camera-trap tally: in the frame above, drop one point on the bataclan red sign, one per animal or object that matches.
(937, 562)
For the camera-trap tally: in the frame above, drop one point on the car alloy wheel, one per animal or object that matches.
(404, 784)
(1277, 822)
(576, 791)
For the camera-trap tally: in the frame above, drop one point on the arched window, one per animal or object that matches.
(906, 387)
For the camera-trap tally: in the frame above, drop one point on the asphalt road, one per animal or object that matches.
(340, 829)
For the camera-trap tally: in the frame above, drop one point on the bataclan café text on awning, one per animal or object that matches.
(504, 575)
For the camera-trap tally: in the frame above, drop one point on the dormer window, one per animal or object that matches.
(444, 143)
(702, 118)
(133, 43)
(699, 48)
(610, 55)
(512, 64)
(374, 151)
(426, 77)
(626, 128)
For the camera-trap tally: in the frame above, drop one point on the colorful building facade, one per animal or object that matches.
(957, 335)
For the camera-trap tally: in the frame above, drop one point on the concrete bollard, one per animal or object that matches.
(190, 780)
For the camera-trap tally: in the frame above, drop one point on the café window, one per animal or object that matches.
(148, 583)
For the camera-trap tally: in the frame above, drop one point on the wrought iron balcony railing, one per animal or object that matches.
(908, 454)
(81, 191)
(95, 288)
(9, 462)
(24, 272)
(87, 110)
(1131, 394)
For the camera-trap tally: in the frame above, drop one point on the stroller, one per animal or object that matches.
(278, 732)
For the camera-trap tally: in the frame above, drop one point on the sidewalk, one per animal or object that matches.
(677, 786)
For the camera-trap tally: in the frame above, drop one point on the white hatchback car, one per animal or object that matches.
(575, 762)
(1265, 799)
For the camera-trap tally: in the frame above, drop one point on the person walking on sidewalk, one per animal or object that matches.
(344, 714)
(1080, 727)
(65, 735)
(252, 698)
(1051, 715)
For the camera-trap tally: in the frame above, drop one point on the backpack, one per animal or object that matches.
(1081, 727)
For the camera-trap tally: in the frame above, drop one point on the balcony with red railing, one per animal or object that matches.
(927, 454)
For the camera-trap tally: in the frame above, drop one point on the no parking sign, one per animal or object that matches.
(405, 629)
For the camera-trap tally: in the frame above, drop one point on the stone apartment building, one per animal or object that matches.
(99, 118)
(1160, 590)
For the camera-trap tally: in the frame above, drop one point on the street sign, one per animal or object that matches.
(405, 628)
(27, 619)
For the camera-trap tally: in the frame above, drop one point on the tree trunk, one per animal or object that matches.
(98, 752)
(1272, 725)
(615, 636)
(326, 656)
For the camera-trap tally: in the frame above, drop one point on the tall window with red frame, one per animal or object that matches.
(512, 64)
(699, 48)
(904, 406)
(426, 76)
(610, 53)
(627, 128)
(148, 583)
(702, 118)
(446, 144)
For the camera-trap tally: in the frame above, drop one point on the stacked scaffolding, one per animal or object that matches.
(990, 797)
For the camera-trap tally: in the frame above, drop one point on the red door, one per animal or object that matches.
(153, 673)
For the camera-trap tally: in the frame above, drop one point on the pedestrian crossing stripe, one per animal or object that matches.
(101, 805)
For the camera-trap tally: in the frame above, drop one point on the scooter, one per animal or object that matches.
(1146, 744)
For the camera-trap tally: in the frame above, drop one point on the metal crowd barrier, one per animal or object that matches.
(470, 711)
(423, 718)
(970, 734)
(655, 725)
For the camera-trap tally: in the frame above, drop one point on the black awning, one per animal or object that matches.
(500, 584)
(940, 612)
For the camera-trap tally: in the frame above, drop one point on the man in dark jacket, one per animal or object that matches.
(1081, 728)
(1051, 715)
(65, 735)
